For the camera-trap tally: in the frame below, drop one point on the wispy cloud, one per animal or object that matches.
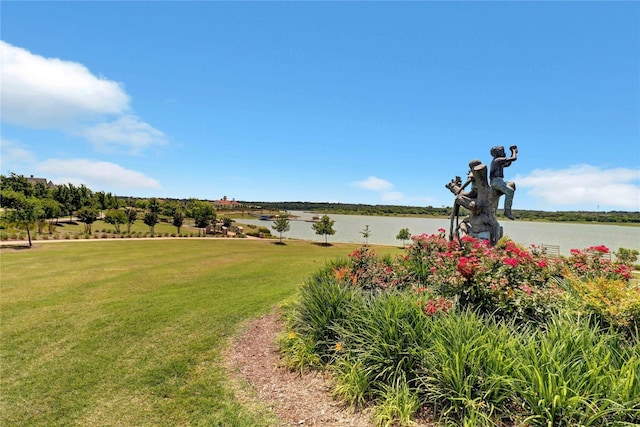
(584, 187)
(381, 186)
(14, 153)
(95, 174)
(51, 93)
(373, 183)
(128, 131)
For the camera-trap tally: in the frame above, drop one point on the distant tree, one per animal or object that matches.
(62, 194)
(366, 233)
(403, 235)
(324, 227)
(154, 205)
(17, 183)
(21, 210)
(50, 210)
(281, 224)
(226, 221)
(151, 219)
(88, 215)
(115, 217)
(178, 219)
(132, 215)
(202, 212)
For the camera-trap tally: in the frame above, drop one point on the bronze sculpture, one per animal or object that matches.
(483, 198)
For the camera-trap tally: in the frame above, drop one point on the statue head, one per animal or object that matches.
(497, 151)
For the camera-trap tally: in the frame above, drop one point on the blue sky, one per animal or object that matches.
(355, 102)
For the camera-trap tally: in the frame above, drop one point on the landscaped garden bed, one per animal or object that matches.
(474, 335)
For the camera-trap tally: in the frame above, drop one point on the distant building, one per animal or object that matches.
(33, 181)
(225, 203)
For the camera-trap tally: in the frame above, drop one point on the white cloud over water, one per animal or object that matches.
(584, 187)
(381, 186)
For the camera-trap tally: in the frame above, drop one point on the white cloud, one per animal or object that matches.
(584, 186)
(373, 183)
(391, 196)
(45, 92)
(51, 93)
(128, 131)
(13, 153)
(95, 175)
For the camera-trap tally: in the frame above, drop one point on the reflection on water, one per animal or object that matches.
(383, 230)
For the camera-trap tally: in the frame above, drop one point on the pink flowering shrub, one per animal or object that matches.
(369, 272)
(507, 279)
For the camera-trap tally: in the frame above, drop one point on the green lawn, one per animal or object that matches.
(131, 332)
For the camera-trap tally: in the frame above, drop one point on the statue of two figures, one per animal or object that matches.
(482, 199)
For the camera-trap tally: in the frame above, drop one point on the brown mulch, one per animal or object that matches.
(296, 400)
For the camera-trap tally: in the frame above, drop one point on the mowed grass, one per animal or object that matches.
(132, 332)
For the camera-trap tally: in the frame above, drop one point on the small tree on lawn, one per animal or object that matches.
(178, 219)
(88, 215)
(115, 217)
(21, 210)
(366, 233)
(151, 219)
(324, 227)
(132, 215)
(281, 224)
(403, 235)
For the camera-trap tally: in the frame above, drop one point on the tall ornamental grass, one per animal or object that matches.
(472, 335)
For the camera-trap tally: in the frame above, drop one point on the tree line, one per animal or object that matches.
(27, 205)
(618, 217)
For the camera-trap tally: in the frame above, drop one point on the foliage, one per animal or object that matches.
(281, 224)
(457, 326)
(615, 302)
(132, 216)
(22, 210)
(403, 235)
(324, 227)
(178, 219)
(367, 271)
(627, 256)
(115, 217)
(150, 219)
(88, 215)
(202, 212)
(366, 233)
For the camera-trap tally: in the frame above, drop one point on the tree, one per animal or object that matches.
(50, 209)
(366, 233)
(281, 224)
(21, 210)
(88, 215)
(202, 212)
(178, 219)
(151, 219)
(154, 205)
(403, 235)
(324, 227)
(115, 217)
(132, 215)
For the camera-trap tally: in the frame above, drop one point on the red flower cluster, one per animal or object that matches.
(433, 306)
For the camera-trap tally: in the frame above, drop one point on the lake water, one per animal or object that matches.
(384, 229)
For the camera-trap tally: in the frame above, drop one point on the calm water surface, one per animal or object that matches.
(384, 229)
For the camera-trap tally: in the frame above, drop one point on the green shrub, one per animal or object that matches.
(575, 374)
